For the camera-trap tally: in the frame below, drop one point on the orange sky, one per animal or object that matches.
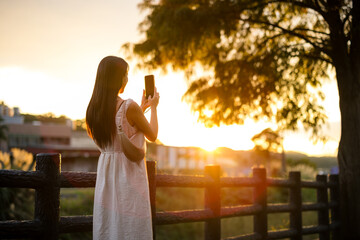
(50, 51)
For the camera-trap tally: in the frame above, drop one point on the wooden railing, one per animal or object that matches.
(48, 179)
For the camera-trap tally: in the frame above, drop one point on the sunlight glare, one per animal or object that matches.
(177, 125)
(209, 148)
(38, 93)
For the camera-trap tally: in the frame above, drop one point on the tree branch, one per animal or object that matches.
(317, 3)
(313, 57)
(347, 17)
(268, 38)
(310, 30)
(314, 7)
(290, 32)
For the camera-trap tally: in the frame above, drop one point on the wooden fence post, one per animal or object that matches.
(151, 171)
(260, 198)
(296, 201)
(323, 214)
(335, 211)
(47, 197)
(213, 202)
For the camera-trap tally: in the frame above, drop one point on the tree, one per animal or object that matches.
(45, 118)
(3, 129)
(268, 142)
(266, 59)
(80, 125)
(16, 203)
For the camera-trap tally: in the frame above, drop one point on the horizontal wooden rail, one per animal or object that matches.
(308, 184)
(271, 182)
(71, 224)
(282, 234)
(274, 182)
(186, 216)
(10, 229)
(21, 179)
(164, 180)
(35, 179)
(313, 206)
(279, 208)
(238, 181)
(77, 179)
(315, 229)
(252, 236)
(318, 206)
(237, 211)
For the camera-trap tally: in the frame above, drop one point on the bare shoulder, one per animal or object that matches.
(133, 108)
(133, 112)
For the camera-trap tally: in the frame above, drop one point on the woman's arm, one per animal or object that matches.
(136, 117)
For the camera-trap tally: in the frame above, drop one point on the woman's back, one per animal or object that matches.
(122, 204)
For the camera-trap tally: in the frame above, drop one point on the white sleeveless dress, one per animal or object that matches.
(122, 203)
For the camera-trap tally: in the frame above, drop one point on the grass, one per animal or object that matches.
(236, 226)
(76, 201)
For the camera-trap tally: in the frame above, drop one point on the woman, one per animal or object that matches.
(118, 126)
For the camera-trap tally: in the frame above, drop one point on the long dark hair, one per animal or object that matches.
(100, 113)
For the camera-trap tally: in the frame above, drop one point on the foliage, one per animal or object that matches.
(325, 162)
(236, 196)
(307, 172)
(45, 118)
(321, 162)
(75, 201)
(16, 203)
(3, 129)
(180, 231)
(268, 140)
(267, 143)
(5, 160)
(304, 161)
(17, 159)
(263, 59)
(80, 125)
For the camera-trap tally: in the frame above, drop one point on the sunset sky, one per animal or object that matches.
(49, 56)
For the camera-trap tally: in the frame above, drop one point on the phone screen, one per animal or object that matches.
(149, 85)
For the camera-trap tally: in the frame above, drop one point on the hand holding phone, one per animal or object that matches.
(149, 86)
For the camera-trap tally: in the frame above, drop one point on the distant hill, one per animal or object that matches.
(325, 162)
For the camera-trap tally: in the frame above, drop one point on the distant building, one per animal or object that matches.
(29, 135)
(10, 116)
(194, 158)
(79, 153)
(80, 139)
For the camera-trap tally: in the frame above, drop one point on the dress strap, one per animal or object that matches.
(120, 105)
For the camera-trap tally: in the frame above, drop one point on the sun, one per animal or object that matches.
(209, 148)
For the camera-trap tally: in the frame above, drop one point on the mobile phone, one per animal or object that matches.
(149, 86)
